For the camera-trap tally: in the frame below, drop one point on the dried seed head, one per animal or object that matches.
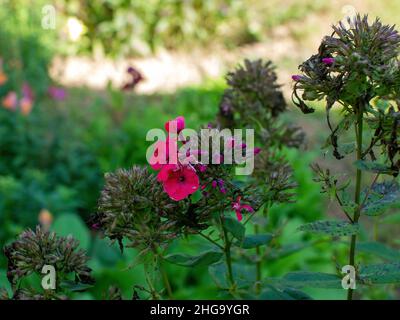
(34, 249)
(253, 94)
(254, 100)
(134, 206)
(355, 61)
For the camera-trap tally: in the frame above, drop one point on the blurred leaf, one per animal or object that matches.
(347, 148)
(235, 228)
(393, 218)
(255, 240)
(287, 250)
(382, 197)
(333, 228)
(107, 253)
(204, 259)
(373, 167)
(219, 275)
(303, 279)
(379, 249)
(71, 224)
(244, 275)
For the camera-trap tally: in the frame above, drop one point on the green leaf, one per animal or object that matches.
(287, 250)
(204, 259)
(218, 273)
(381, 197)
(244, 275)
(107, 253)
(380, 250)
(273, 293)
(254, 241)
(373, 167)
(347, 148)
(74, 286)
(333, 228)
(304, 279)
(235, 228)
(384, 273)
(71, 224)
(390, 219)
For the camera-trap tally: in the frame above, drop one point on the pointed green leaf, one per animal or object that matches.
(234, 227)
(254, 241)
(384, 273)
(373, 167)
(273, 293)
(204, 259)
(74, 286)
(333, 228)
(381, 197)
(304, 279)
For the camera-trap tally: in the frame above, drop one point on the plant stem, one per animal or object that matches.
(211, 240)
(152, 290)
(166, 281)
(227, 252)
(163, 273)
(357, 194)
(258, 264)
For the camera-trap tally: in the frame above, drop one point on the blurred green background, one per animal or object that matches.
(54, 158)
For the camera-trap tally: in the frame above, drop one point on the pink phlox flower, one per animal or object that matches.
(176, 125)
(179, 181)
(165, 152)
(238, 207)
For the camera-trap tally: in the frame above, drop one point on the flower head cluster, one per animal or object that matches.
(254, 100)
(254, 84)
(133, 205)
(34, 249)
(358, 59)
(273, 172)
(183, 173)
(356, 68)
(179, 179)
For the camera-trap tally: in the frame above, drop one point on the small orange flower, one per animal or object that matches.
(3, 78)
(45, 218)
(26, 105)
(10, 100)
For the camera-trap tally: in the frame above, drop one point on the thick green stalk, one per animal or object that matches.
(357, 194)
